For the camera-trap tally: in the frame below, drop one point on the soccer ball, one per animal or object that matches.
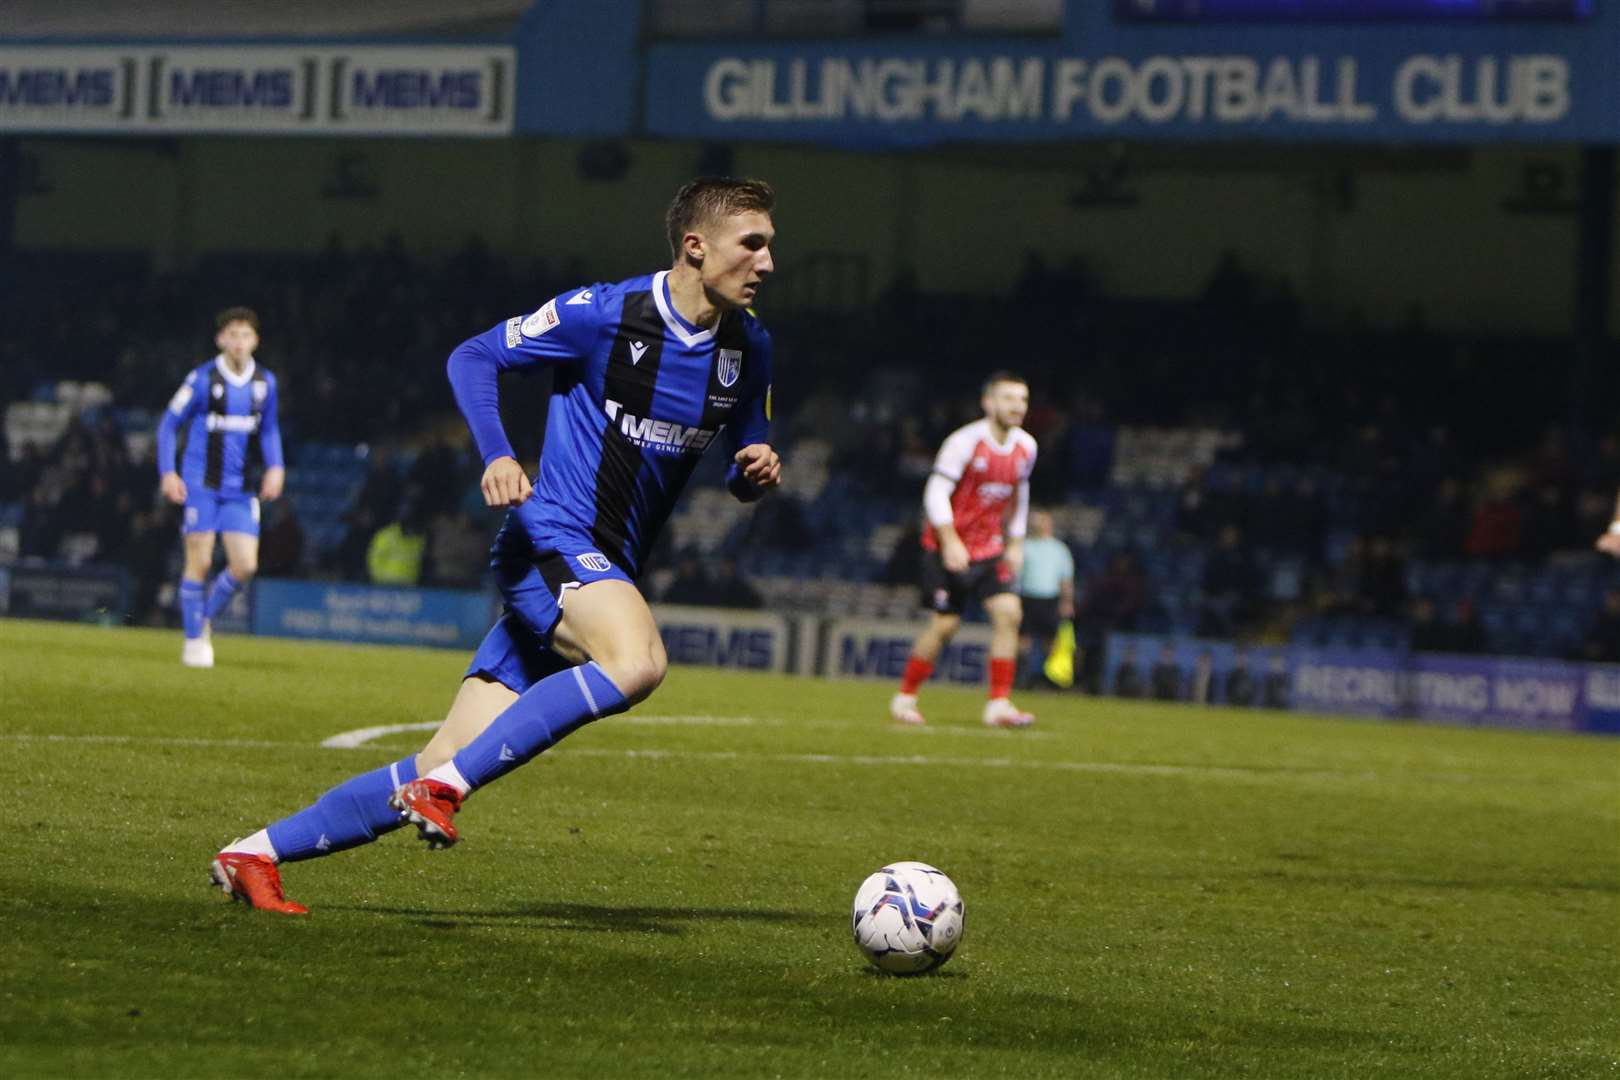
(907, 918)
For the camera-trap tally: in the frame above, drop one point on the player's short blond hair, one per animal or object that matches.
(710, 198)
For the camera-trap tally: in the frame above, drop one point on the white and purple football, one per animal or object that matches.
(907, 918)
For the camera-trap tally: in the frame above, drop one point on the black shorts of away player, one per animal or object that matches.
(949, 594)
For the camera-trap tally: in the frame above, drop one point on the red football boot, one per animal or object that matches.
(254, 880)
(430, 805)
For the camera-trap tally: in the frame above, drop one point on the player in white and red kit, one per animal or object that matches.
(976, 503)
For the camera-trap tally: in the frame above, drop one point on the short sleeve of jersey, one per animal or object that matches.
(563, 328)
(955, 453)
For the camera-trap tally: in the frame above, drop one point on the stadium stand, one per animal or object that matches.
(1268, 510)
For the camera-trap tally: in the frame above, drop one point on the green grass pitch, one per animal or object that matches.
(1151, 891)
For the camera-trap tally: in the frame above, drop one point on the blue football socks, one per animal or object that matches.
(545, 713)
(219, 594)
(353, 813)
(191, 607)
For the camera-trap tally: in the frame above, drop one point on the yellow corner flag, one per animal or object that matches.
(1060, 659)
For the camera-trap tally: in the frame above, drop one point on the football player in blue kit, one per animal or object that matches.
(219, 431)
(648, 373)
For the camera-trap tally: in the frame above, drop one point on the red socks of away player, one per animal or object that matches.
(917, 672)
(1001, 675)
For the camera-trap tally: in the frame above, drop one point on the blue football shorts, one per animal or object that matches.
(535, 571)
(215, 511)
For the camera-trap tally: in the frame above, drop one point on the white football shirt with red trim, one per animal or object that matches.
(987, 475)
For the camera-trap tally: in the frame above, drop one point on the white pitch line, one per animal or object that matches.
(350, 740)
(656, 754)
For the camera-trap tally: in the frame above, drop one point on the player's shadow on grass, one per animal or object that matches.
(594, 917)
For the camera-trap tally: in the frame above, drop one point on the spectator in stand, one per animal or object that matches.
(1494, 531)
(1201, 685)
(1429, 634)
(281, 543)
(1231, 587)
(398, 550)
(1195, 509)
(41, 531)
(1383, 580)
(1467, 632)
(1240, 687)
(1275, 692)
(1602, 644)
(1113, 602)
(732, 590)
(1166, 675)
(691, 584)
(1548, 523)
(1047, 588)
(1442, 530)
(1128, 676)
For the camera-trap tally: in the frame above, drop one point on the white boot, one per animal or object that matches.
(903, 707)
(1001, 712)
(197, 652)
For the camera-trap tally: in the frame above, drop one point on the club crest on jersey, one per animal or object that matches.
(541, 320)
(729, 366)
(594, 561)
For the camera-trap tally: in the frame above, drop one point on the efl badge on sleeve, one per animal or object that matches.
(730, 366)
(541, 321)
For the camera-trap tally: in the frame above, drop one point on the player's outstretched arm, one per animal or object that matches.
(755, 469)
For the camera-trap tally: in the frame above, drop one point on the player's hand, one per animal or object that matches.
(1014, 558)
(760, 465)
(505, 483)
(954, 554)
(173, 488)
(1609, 544)
(275, 479)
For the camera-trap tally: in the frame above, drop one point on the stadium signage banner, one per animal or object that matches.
(878, 648)
(931, 96)
(1109, 76)
(1541, 695)
(259, 90)
(716, 637)
(385, 616)
(64, 592)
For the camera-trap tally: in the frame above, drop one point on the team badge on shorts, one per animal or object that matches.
(729, 366)
(594, 561)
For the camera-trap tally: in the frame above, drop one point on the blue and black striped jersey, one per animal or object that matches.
(220, 428)
(639, 395)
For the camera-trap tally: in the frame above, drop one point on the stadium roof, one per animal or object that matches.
(259, 18)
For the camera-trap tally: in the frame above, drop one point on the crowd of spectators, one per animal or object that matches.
(1372, 449)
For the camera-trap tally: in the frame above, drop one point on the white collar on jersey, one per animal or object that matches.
(230, 376)
(1001, 447)
(677, 325)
